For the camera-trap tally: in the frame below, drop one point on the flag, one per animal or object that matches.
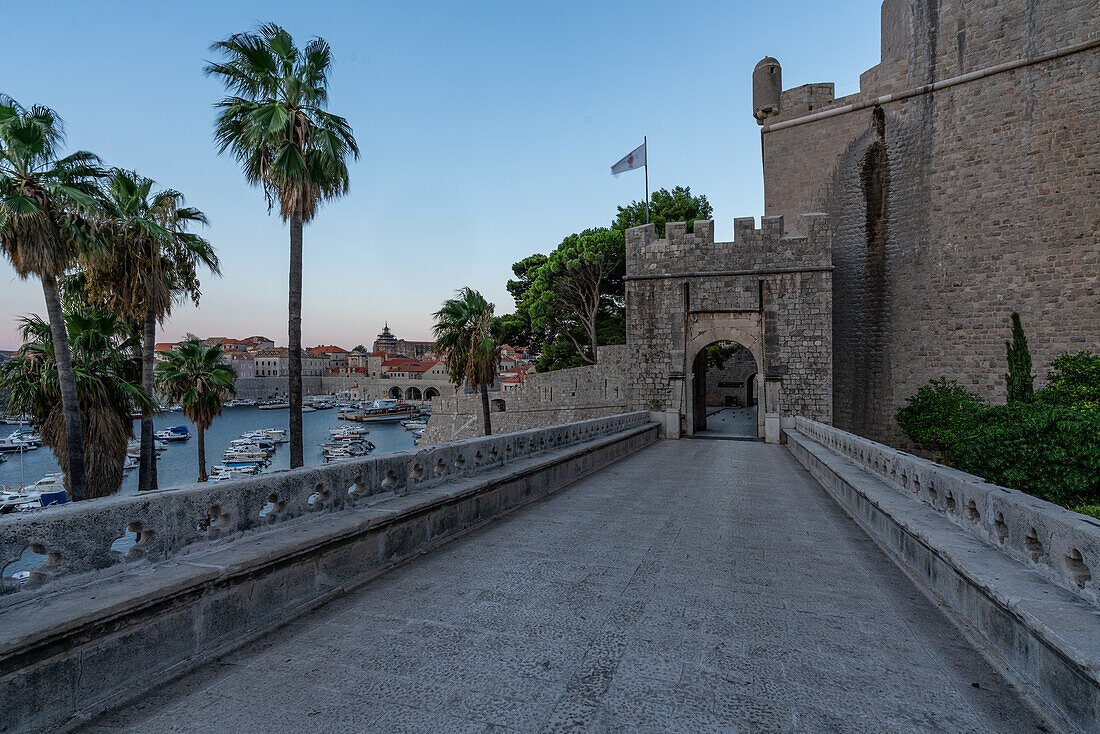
(635, 159)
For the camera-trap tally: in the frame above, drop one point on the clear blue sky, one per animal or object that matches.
(487, 131)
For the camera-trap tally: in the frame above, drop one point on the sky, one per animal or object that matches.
(487, 132)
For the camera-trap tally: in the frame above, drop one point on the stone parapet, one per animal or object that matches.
(1014, 570)
(79, 539)
(78, 644)
(1062, 545)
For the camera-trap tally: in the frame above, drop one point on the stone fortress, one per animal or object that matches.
(961, 183)
(586, 575)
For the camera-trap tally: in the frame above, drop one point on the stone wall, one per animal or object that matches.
(768, 290)
(952, 208)
(730, 382)
(265, 388)
(545, 399)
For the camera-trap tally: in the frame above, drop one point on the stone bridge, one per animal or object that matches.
(583, 577)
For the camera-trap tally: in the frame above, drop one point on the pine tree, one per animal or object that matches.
(1020, 381)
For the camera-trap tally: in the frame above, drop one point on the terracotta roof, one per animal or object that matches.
(163, 346)
(330, 349)
(422, 366)
(513, 379)
(399, 362)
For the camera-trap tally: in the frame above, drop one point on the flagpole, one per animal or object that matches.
(645, 145)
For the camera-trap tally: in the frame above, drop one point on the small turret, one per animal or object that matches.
(767, 85)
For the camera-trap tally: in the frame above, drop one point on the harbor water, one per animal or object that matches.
(178, 463)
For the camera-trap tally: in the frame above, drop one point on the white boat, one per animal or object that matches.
(382, 411)
(245, 454)
(273, 405)
(278, 435)
(176, 433)
(308, 409)
(31, 498)
(10, 445)
(130, 463)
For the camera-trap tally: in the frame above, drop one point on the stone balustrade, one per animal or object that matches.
(1063, 545)
(85, 540)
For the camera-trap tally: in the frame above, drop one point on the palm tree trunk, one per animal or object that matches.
(147, 466)
(485, 410)
(294, 340)
(74, 438)
(202, 452)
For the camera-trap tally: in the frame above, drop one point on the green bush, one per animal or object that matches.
(940, 413)
(1050, 451)
(1090, 510)
(1074, 381)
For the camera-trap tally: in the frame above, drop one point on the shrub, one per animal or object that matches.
(1090, 510)
(1019, 380)
(939, 413)
(1049, 451)
(1074, 381)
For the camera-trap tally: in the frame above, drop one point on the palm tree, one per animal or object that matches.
(43, 200)
(198, 379)
(471, 338)
(107, 373)
(147, 262)
(277, 127)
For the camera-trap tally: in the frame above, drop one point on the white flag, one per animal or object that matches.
(635, 159)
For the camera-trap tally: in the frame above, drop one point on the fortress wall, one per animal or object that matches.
(956, 207)
(545, 399)
(768, 290)
(264, 388)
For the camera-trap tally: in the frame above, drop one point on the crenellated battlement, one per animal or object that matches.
(770, 245)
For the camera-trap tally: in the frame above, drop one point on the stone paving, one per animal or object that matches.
(695, 586)
(730, 422)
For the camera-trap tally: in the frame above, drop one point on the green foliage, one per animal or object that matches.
(468, 333)
(717, 354)
(276, 123)
(582, 277)
(1019, 380)
(198, 379)
(360, 348)
(665, 206)
(146, 260)
(1074, 381)
(940, 413)
(470, 337)
(1049, 451)
(107, 374)
(1090, 510)
(44, 200)
(572, 300)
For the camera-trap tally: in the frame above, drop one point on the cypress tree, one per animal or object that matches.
(1019, 380)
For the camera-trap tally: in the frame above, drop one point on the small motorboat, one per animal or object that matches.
(176, 433)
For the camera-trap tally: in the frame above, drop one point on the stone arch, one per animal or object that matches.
(431, 393)
(394, 393)
(412, 393)
(703, 330)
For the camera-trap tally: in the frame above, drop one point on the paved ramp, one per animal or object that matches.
(696, 586)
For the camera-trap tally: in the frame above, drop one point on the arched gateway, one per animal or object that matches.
(768, 291)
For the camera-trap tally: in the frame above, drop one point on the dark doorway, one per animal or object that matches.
(724, 387)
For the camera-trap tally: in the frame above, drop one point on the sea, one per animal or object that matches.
(178, 463)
